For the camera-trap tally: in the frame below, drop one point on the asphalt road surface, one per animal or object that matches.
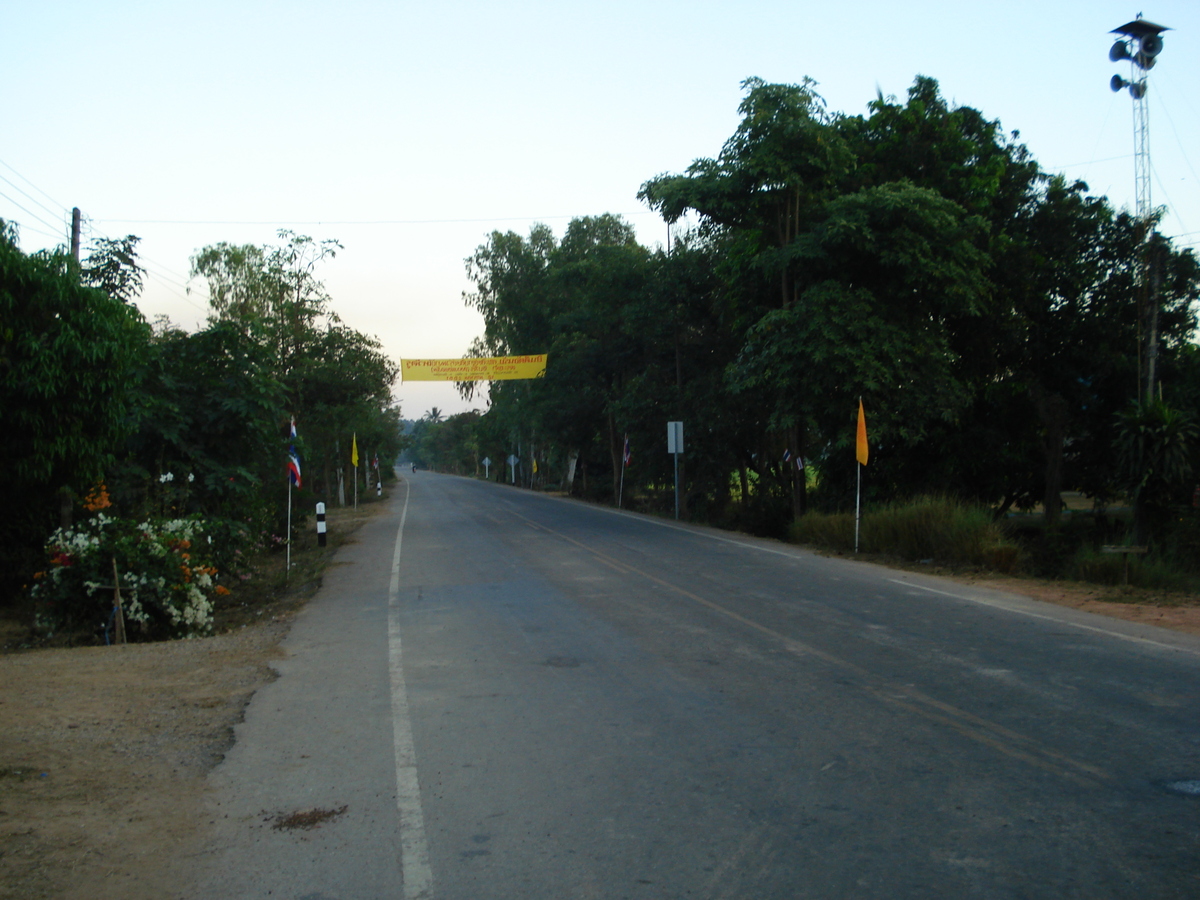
(498, 694)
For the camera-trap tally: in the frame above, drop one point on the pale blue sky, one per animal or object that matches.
(409, 131)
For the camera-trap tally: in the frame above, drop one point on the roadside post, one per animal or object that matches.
(675, 447)
(487, 470)
(320, 524)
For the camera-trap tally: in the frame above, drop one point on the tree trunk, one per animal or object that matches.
(65, 507)
(1052, 410)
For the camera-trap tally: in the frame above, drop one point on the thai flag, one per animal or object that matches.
(294, 467)
(628, 454)
(293, 459)
(787, 454)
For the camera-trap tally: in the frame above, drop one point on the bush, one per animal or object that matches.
(1151, 572)
(165, 574)
(938, 528)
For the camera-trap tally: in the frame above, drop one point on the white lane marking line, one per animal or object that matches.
(1054, 619)
(414, 850)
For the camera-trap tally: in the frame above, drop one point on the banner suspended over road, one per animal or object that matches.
(495, 368)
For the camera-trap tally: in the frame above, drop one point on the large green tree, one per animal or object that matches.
(65, 354)
(335, 381)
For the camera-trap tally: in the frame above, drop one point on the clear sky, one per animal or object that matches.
(409, 131)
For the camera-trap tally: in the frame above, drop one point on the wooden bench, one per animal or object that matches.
(1125, 550)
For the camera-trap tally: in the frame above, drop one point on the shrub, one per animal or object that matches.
(925, 528)
(165, 574)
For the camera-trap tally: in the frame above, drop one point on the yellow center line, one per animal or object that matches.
(985, 731)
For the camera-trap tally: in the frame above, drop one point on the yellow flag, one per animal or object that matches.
(860, 450)
(354, 450)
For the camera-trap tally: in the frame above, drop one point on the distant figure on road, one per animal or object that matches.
(414, 467)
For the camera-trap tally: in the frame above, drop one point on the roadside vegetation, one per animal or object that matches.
(154, 462)
(993, 319)
(948, 533)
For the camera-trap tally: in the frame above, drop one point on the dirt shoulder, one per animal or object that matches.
(1180, 612)
(104, 755)
(104, 751)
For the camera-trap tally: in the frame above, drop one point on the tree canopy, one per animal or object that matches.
(915, 256)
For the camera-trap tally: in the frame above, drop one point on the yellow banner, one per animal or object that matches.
(495, 368)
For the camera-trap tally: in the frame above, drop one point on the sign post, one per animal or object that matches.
(487, 462)
(675, 447)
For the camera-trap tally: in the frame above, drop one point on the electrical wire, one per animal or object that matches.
(358, 222)
(30, 197)
(26, 211)
(32, 185)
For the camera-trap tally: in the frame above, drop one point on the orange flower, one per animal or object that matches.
(222, 590)
(97, 499)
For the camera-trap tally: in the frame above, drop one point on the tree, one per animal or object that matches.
(1155, 445)
(112, 266)
(65, 353)
(207, 409)
(784, 158)
(336, 381)
(890, 267)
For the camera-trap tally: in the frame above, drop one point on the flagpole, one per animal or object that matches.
(621, 492)
(289, 527)
(354, 465)
(857, 505)
(861, 455)
(293, 461)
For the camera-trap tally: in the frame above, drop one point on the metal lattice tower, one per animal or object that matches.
(1141, 147)
(1141, 43)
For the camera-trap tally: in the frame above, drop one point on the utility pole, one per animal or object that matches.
(76, 221)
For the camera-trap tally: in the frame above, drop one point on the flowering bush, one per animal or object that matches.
(165, 571)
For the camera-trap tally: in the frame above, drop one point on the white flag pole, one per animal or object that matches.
(857, 505)
(289, 526)
(621, 490)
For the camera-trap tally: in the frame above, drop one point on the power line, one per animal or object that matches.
(1089, 162)
(363, 222)
(27, 212)
(32, 185)
(27, 195)
(23, 228)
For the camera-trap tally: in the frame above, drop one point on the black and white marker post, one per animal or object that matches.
(320, 524)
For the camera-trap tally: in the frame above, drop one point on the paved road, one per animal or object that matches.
(498, 694)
